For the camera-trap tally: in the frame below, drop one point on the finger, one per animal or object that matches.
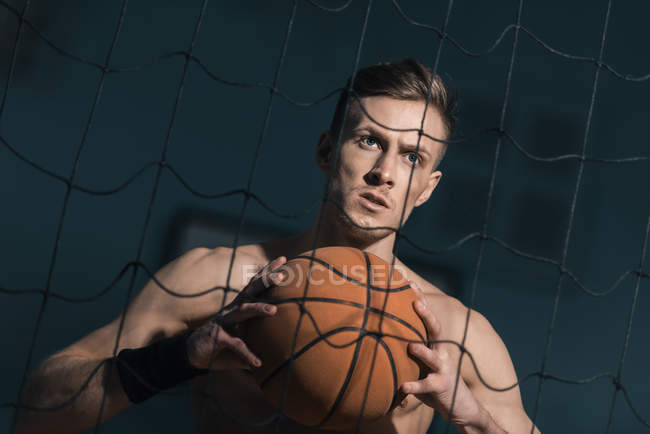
(431, 384)
(218, 353)
(276, 272)
(415, 287)
(239, 348)
(229, 360)
(248, 310)
(432, 358)
(273, 265)
(271, 274)
(277, 263)
(418, 292)
(259, 284)
(430, 321)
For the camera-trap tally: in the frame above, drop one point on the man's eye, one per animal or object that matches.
(370, 141)
(413, 158)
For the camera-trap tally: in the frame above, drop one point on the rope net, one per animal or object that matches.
(483, 236)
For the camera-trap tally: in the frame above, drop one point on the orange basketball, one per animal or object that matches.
(349, 354)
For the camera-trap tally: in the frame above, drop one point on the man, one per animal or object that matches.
(166, 339)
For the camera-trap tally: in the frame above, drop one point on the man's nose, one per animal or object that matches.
(382, 172)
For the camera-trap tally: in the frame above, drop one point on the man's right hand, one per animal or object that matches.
(216, 344)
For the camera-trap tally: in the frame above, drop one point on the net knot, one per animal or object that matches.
(163, 164)
(497, 130)
(617, 383)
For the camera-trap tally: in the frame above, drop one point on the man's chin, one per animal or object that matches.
(357, 225)
(364, 230)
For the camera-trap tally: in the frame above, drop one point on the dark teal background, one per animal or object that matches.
(217, 129)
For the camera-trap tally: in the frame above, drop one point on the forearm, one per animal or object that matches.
(65, 395)
(482, 424)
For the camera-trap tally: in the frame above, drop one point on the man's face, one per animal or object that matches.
(371, 179)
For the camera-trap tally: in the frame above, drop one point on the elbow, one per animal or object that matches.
(37, 411)
(37, 422)
(31, 420)
(25, 423)
(26, 419)
(21, 427)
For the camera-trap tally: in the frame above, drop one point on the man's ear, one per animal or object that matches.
(432, 183)
(324, 151)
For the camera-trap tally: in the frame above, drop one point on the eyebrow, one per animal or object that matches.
(408, 146)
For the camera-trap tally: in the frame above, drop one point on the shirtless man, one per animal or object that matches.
(369, 184)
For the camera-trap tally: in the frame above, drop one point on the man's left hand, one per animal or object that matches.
(443, 387)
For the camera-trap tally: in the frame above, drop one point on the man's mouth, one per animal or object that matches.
(374, 199)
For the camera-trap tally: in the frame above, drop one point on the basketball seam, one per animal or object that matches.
(352, 304)
(304, 349)
(363, 332)
(389, 354)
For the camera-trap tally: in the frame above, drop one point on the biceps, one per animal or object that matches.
(495, 383)
(505, 406)
(134, 332)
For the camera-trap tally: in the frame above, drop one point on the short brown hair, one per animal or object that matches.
(408, 79)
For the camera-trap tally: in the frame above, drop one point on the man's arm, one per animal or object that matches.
(66, 391)
(476, 407)
(69, 387)
(497, 371)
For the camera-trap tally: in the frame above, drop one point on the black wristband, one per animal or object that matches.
(156, 367)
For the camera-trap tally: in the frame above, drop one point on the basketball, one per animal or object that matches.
(349, 345)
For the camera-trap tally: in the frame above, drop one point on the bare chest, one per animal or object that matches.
(232, 402)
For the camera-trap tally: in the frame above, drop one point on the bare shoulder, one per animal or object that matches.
(198, 283)
(485, 363)
(467, 329)
(486, 366)
(449, 311)
(181, 295)
(202, 268)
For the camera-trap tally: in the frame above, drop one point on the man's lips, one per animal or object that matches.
(374, 199)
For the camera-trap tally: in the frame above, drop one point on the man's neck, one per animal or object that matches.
(332, 235)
